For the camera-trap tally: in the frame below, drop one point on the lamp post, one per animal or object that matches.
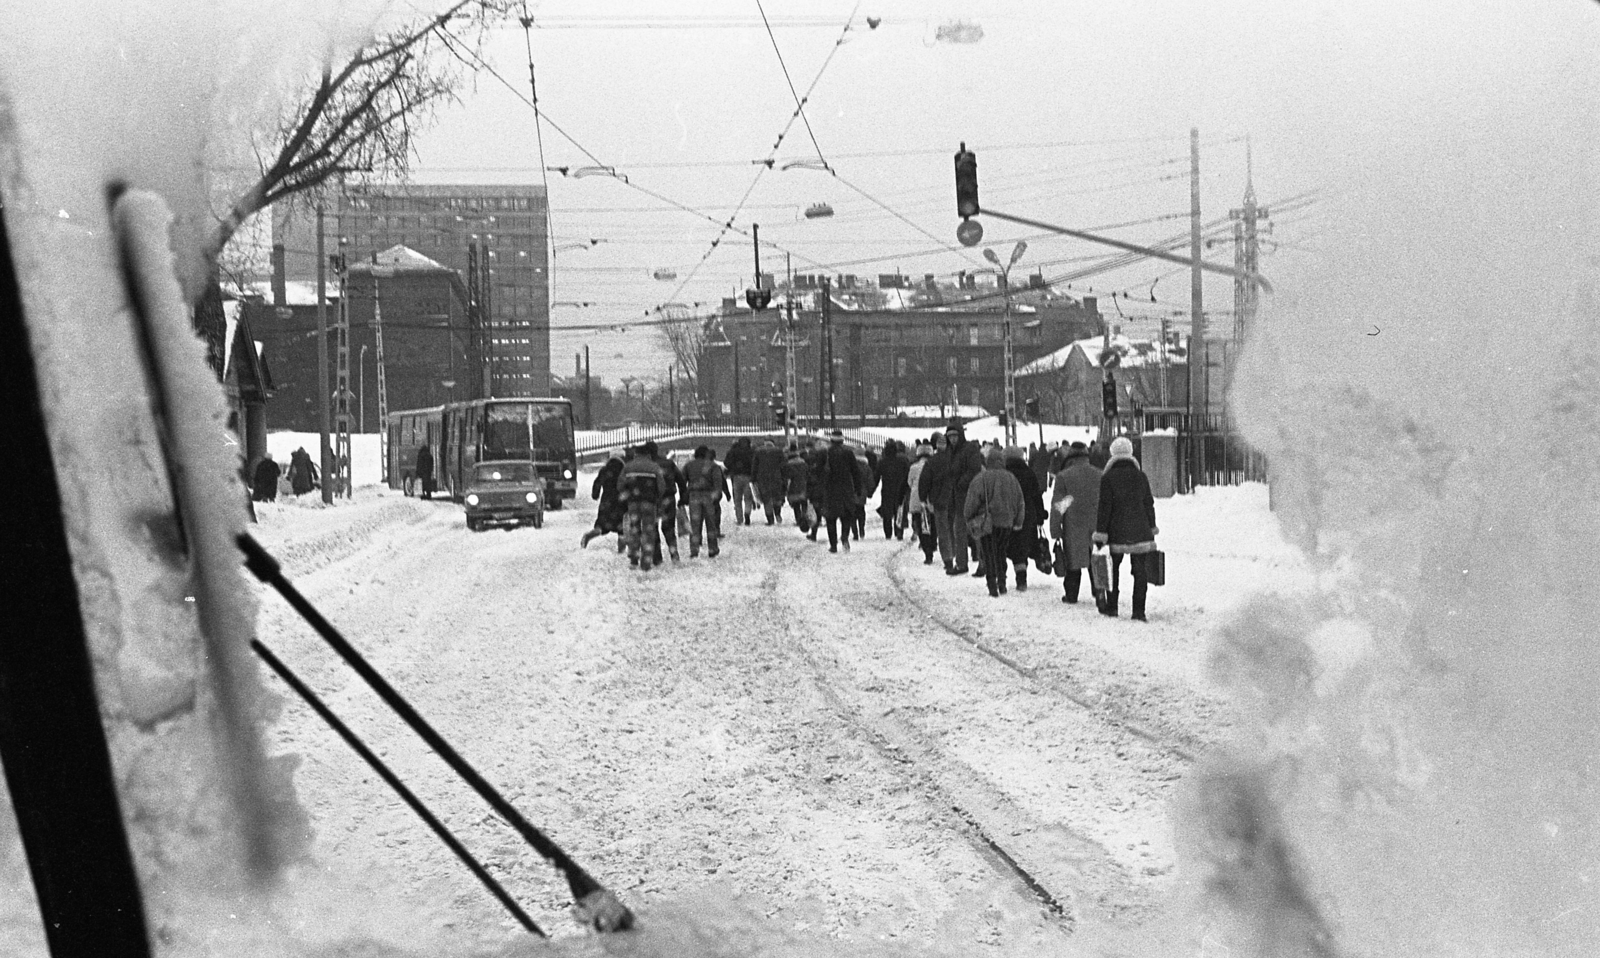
(361, 379)
(1010, 367)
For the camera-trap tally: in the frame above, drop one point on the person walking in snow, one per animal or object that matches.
(796, 479)
(264, 481)
(1126, 522)
(672, 487)
(1024, 543)
(769, 481)
(302, 472)
(640, 489)
(816, 502)
(740, 464)
(706, 483)
(993, 512)
(1074, 510)
(893, 470)
(944, 484)
(922, 526)
(612, 514)
(867, 466)
(842, 488)
(425, 470)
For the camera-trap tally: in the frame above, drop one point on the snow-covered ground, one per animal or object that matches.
(775, 747)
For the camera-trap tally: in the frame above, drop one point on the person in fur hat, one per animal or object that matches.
(994, 511)
(1126, 522)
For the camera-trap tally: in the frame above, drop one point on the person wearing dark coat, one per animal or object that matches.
(302, 472)
(1098, 457)
(611, 514)
(868, 467)
(796, 478)
(1024, 542)
(425, 470)
(842, 489)
(943, 485)
(814, 496)
(672, 486)
(264, 481)
(640, 488)
(1126, 522)
(1074, 510)
(1039, 462)
(893, 470)
(707, 483)
(740, 464)
(768, 476)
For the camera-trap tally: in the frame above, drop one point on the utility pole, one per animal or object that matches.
(790, 394)
(1246, 255)
(383, 381)
(827, 344)
(672, 393)
(341, 409)
(1198, 400)
(325, 413)
(588, 390)
(1010, 388)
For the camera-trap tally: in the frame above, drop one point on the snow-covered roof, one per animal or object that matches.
(400, 257)
(1134, 352)
(297, 292)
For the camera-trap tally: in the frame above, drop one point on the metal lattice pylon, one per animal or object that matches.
(383, 383)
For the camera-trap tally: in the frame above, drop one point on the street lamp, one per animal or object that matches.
(361, 378)
(449, 389)
(1010, 367)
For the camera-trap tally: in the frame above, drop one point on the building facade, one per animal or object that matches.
(892, 347)
(432, 352)
(494, 236)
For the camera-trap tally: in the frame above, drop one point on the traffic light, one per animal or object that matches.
(966, 183)
(1032, 408)
(779, 407)
(1108, 397)
(1004, 419)
(758, 298)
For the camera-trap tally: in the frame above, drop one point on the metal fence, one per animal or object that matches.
(1211, 452)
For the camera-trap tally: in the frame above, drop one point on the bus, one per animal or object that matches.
(462, 434)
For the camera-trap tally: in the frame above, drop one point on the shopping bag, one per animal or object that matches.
(1155, 567)
(1061, 559)
(1041, 554)
(1100, 571)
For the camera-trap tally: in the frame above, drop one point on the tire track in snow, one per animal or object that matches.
(1069, 690)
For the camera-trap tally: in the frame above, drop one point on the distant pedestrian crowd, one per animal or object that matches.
(981, 510)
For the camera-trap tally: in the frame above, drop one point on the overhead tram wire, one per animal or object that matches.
(800, 104)
(453, 42)
(764, 166)
(538, 129)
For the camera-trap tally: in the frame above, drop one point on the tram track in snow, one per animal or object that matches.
(1071, 691)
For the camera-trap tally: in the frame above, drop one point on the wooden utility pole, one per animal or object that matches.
(1198, 400)
(325, 405)
(827, 350)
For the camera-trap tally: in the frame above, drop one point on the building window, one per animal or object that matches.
(900, 367)
(874, 392)
(972, 335)
(975, 365)
(950, 364)
(977, 396)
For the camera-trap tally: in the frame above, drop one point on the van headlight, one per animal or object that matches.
(472, 498)
(566, 473)
(532, 497)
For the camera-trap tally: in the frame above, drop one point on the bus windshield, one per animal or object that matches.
(533, 430)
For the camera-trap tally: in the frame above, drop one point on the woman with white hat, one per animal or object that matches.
(1126, 523)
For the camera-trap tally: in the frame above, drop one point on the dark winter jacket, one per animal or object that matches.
(302, 472)
(814, 460)
(672, 484)
(1032, 498)
(1075, 507)
(796, 476)
(1039, 462)
(893, 472)
(869, 482)
(963, 461)
(264, 483)
(642, 479)
(609, 515)
(741, 459)
(768, 472)
(424, 463)
(841, 480)
(1126, 519)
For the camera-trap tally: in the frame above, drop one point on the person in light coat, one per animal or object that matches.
(994, 510)
(922, 525)
(1126, 521)
(1074, 509)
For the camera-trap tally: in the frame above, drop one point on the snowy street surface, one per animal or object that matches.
(851, 746)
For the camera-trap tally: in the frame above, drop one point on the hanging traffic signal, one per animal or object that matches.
(758, 298)
(1108, 397)
(1032, 408)
(966, 183)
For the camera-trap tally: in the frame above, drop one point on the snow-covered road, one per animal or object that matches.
(852, 746)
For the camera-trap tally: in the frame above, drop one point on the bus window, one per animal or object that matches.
(552, 432)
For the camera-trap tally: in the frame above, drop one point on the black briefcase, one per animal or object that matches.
(1155, 567)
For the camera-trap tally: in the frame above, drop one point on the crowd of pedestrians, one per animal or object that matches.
(981, 510)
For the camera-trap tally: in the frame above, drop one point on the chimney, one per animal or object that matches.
(280, 293)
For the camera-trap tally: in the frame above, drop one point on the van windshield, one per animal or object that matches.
(503, 472)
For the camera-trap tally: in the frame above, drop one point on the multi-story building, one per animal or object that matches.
(495, 237)
(894, 345)
(431, 349)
